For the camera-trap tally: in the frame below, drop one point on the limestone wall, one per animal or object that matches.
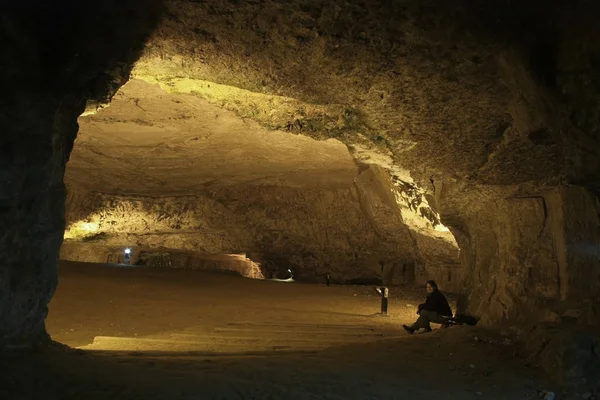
(351, 234)
(532, 259)
(492, 107)
(101, 254)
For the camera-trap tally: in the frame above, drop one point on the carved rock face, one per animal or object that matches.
(481, 116)
(56, 56)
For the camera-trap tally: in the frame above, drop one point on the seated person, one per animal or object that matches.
(434, 310)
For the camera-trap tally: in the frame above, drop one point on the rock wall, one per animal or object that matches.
(479, 102)
(314, 231)
(34, 147)
(531, 259)
(101, 254)
(579, 268)
(490, 106)
(390, 208)
(55, 56)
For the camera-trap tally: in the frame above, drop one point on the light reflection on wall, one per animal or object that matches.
(413, 216)
(414, 208)
(82, 229)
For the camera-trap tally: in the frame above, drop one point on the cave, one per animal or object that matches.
(380, 143)
(168, 169)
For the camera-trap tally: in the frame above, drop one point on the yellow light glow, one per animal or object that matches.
(441, 228)
(272, 111)
(416, 221)
(81, 229)
(89, 226)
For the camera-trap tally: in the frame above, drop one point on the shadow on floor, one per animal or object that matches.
(444, 365)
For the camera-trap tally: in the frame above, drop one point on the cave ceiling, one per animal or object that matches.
(432, 94)
(461, 105)
(403, 81)
(305, 94)
(151, 142)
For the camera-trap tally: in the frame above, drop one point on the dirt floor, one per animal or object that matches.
(174, 334)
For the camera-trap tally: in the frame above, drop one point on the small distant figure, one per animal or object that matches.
(327, 279)
(435, 309)
(127, 255)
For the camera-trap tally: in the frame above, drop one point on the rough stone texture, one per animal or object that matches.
(55, 55)
(101, 254)
(571, 356)
(350, 233)
(436, 254)
(536, 267)
(154, 143)
(487, 110)
(150, 142)
(480, 103)
(33, 152)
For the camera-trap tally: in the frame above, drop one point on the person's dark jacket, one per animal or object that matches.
(437, 302)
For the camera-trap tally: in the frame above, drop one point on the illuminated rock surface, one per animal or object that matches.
(256, 122)
(174, 171)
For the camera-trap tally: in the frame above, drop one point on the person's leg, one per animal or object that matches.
(423, 321)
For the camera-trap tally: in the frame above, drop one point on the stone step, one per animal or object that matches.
(203, 345)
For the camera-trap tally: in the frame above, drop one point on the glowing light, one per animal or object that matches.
(81, 229)
(275, 112)
(128, 251)
(89, 226)
(441, 228)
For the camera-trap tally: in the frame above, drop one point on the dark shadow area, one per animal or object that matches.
(191, 354)
(66, 45)
(57, 56)
(427, 366)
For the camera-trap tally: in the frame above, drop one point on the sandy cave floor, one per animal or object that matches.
(174, 334)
